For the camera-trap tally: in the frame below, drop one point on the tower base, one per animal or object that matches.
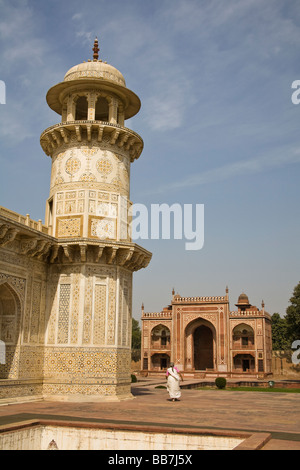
(20, 391)
(85, 392)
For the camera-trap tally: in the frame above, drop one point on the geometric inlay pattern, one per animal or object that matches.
(73, 165)
(99, 314)
(69, 227)
(104, 166)
(63, 314)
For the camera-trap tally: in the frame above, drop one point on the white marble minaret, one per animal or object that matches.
(88, 316)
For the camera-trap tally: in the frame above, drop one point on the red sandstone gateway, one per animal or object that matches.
(205, 339)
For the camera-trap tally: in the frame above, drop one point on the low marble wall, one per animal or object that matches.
(44, 437)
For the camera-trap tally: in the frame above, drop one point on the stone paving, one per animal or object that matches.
(216, 410)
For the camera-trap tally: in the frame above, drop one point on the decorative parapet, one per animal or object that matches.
(25, 220)
(178, 299)
(249, 313)
(148, 315)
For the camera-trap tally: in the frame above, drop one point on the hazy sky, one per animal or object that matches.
(218, 124)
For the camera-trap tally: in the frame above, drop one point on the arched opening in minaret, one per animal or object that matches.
(81, 108)
(101, 110)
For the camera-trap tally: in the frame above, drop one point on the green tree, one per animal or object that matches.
(279, 333)
(293, 316)
(136, 341)
(136, 335)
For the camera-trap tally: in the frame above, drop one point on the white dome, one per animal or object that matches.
(95, 69)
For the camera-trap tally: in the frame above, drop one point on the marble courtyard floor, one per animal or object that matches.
(275, 415)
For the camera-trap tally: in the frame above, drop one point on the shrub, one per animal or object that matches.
(133, 378)
(220, 382)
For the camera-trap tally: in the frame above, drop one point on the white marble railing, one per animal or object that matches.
(24, 219)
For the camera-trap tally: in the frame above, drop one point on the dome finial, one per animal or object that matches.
(96, 49)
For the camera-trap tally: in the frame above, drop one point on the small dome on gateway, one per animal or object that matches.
(243, 300)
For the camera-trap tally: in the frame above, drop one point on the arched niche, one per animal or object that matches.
(242, 336)
(160, 336)
(200, 345)
(10, 312)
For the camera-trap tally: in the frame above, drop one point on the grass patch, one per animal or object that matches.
(254, 389)
(265, 389)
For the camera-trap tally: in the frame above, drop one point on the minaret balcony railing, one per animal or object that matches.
(58, 134)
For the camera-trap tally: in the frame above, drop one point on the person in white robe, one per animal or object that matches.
(173, 382)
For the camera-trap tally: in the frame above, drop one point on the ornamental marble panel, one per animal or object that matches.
(53, 297)
(259, 325)
(69, 227)
(100, 306)
(83, 362)
(35, 320)
(80, 205)
(88, 185)
(102, 228)
(70, 207)
(31, 361)
(86, 164)
(103, 196)
(75, 296)
(88, 311)
(124, 309)
(63, 313)
(104, 166)
(86, 390)
(71, 194)
(59, 208)
(111, 318)
(107, 209)
(72, 165)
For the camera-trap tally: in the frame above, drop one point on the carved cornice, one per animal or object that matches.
(25, 240)
(31, 243)
(10, 234)
(62, 133)
(129, 256)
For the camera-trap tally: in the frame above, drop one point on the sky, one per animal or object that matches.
(217, 119)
